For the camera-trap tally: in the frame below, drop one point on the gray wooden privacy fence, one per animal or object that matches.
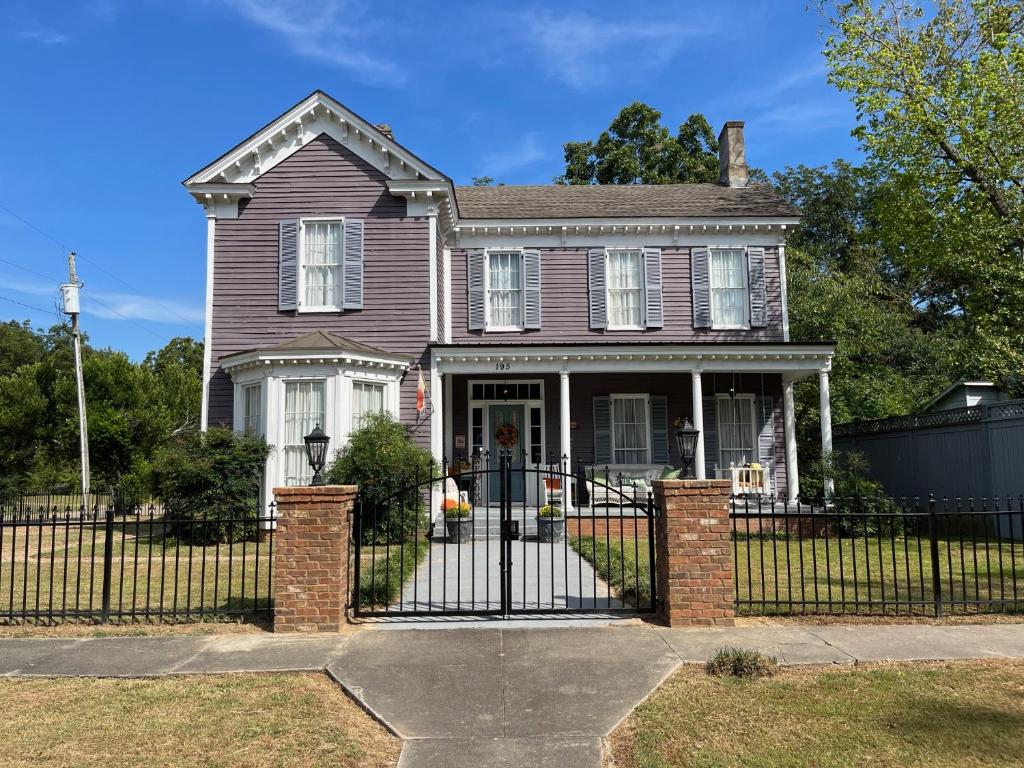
(963, 453)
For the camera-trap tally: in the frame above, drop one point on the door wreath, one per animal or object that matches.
(507, 435)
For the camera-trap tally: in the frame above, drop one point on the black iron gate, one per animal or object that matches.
(501, 537)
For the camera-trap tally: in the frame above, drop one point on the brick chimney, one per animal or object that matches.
(732, 156)
(386, 130)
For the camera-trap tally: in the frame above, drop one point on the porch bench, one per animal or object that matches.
(637, 481)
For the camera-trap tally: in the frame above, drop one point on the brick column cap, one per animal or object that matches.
(676, 484)
(315, 491)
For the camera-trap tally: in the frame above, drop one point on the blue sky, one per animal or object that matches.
(110, 104)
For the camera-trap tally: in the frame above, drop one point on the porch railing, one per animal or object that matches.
(746, 481)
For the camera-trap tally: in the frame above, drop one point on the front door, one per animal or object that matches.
(506, 425)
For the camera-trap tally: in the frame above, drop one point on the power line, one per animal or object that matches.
(96, 264)
(109, 308)
(30, 271)
(23, 304)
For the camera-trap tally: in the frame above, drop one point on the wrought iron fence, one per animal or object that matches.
(118, 562)
(879, 556)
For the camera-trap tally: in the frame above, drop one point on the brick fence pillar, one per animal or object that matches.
(694, 552)
(311, 557)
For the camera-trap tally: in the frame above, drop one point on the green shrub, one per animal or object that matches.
(737, 662)
(209, 483)
(380, 585)
(627, 570)
(549, 510)
(393, 475)
(860, 504)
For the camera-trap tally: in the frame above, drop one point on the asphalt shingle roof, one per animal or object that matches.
(558, 201)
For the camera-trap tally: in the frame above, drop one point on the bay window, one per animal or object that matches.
(252, 410)
(367, 399)
(304, 408)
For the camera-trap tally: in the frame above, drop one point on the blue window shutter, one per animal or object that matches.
(531, 294)
(352, 261)
(766, 435)
(700, 282)
(602, 429)
(288, 265)
(598, 288)
(652, 283)
(475, 283)
(710, 437)
(758, 294)
(659, 429)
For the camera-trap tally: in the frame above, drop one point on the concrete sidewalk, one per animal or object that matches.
(503, 695)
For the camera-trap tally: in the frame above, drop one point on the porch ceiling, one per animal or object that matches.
(793, 360)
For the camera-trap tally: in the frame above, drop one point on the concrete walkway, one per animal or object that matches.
(504, 695)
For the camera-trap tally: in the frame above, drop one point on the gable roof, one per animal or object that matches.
(281, 137)
(558, 201)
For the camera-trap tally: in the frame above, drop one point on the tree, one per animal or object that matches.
(940, 102)
(638, 149)
(483, 181)
(18, 346)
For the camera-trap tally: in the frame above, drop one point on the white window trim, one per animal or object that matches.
(386, 398)
(483, 404)
(488, 328)
(611, 413)
(301, 276)
(752, 401)
(746, 287)
(261, 423)
(643, 289)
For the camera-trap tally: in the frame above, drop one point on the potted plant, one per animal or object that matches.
(458, 520)
(550, 524)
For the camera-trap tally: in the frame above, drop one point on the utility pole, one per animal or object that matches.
(70, 295)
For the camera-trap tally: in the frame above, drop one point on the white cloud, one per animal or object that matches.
(528, 151)
(129, 306)
(806, 118)
(335, 32)
(44, 35)
(583, 50)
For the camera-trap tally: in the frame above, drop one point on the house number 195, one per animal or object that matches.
(503, 366)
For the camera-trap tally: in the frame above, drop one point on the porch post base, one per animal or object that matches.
(311, 557)
(694, 553)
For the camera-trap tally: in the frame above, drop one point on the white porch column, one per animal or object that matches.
(699, 470)
(826, 424)
(789, 431)
(436, 436)
(449, 436)
(564, 437)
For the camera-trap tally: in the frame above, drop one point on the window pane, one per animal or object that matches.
(252, 416)
(505, 295)
(366, 399)
(728, 287)
(629, 430)
(735, 431)
(303, 410)
(321, 263)
(625, 288)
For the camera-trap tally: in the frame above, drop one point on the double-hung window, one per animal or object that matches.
(252, 410)
(304, 403)
(625, 289)
(320, 265)
(367, 398)
(736, 439)
(631, 441)
(730, 299)
(504, 290)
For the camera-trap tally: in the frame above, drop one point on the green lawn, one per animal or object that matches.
(226, 721)
(937, 715)
(805, 576)
(147, 569)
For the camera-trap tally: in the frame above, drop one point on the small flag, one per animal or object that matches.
(421, 390)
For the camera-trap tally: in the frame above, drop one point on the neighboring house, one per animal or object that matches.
(589, 317)
(964, 394)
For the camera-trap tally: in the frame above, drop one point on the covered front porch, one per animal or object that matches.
(616, 407)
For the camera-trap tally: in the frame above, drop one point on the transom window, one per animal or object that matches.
(504, 290)
(304, 403)
(321, 265)
(630, 429)
(625, 289)
(252, 410)
(367, 398)
(730, 303)
(736, 440)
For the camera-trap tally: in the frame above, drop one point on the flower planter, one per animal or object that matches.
(459, 528)
(550, 529)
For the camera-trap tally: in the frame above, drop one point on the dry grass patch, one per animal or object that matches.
(216, 721)
(951, 714)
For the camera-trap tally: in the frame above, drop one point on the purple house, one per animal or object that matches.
(577, 321)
